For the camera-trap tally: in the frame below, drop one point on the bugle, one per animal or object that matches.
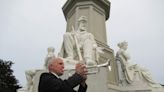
(92, 69)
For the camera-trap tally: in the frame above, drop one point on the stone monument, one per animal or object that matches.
(85, 41)
(97, 12)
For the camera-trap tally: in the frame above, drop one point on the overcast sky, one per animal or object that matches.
(28, 27)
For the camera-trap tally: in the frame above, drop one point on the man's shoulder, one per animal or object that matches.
(46, 75)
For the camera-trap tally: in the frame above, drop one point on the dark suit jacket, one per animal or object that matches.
(50, 83)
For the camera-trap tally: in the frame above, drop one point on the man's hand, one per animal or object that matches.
(82, 70)
(83, 82)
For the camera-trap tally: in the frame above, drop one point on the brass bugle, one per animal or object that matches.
(107, 63)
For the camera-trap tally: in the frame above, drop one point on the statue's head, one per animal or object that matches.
(82, 19)
(82, 23)
(123, 45)
(50, 49)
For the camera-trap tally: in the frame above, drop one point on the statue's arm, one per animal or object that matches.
(125, 55)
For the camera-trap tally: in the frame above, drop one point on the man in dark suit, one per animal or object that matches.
(50, 82)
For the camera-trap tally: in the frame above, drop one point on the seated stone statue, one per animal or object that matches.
(80, 45)
(131, 70)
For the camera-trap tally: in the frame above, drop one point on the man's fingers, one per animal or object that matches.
(81, 69)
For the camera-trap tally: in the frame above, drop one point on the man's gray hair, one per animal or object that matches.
(51, 60)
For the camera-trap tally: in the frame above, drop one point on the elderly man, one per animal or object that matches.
(79, 44)
(51, 82)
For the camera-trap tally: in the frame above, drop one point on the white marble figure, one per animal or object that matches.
(50, 54)
(29, 77)
(80, 45)
(131, 70)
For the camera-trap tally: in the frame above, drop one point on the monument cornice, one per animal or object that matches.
(106, 47)
(104, 4)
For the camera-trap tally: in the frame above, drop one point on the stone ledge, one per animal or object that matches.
(22, 90)
(128, 89)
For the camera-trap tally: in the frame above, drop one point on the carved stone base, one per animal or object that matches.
(98, 82)
(22, 90)
(128, 89)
